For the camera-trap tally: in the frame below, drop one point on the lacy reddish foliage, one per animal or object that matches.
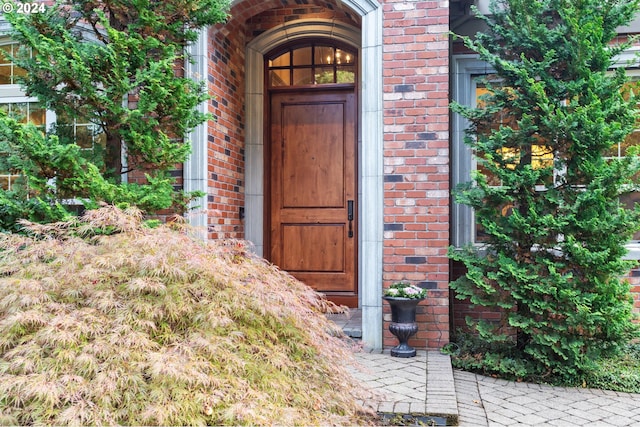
(105, 321)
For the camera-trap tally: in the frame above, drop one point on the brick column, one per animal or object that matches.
(416, 159)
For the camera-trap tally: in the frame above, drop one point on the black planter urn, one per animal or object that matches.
(403, 324)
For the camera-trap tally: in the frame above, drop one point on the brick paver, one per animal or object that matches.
(507, 403)
(427, 385)
(419, 386)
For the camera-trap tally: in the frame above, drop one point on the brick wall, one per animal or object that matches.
(634, 281)
(226, 132)
(416, 159)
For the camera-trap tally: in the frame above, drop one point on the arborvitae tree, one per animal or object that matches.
(548, 199)
(118, 65)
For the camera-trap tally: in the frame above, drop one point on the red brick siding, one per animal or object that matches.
(416, 159)
(226, 132)
(634, 281)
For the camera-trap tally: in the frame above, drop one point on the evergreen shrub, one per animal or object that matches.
(548, 197)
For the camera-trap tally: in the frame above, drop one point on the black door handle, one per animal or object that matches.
(350, 216)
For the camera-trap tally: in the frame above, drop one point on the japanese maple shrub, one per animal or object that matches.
(104, 321)
(547, 198)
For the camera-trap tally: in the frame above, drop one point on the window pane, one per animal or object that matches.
(324, 75)
(280, 61)
(21, 111)
(631, 140)
(346, 74)
(37, 116)
(302, 76)
(18, 72)
(83, 137)
(541, 156)
(302, 56)
(5, 51)
(279, 78)
(8, 70)
(324, 55)
(344, 57)
(5, 74)
(629, 200)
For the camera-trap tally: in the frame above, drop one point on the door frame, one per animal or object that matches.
(368, 42)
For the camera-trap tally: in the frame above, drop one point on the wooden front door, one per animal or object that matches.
(312, 197)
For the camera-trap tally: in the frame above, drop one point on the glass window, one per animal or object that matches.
(26, 112)
(302, 56)
(88, 136)
(23, 111)
(620, 150)
(314, 64)
(540, 155)
(9, 72)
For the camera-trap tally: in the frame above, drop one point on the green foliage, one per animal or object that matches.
(620, 372)
(555, 227)
(472, 353)
(104, 320)
(118, 66)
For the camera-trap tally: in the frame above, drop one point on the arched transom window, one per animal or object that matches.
(311, 64)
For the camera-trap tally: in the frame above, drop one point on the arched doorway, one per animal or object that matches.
(368, 44)
(311, 165)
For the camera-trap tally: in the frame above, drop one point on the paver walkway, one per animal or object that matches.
(426, 385)
(420, 386)
(485, 401)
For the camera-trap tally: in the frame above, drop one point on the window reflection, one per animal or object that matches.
(314, 64)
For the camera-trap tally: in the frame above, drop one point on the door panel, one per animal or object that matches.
(313, 178)
(325, 254)
(313, 150)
